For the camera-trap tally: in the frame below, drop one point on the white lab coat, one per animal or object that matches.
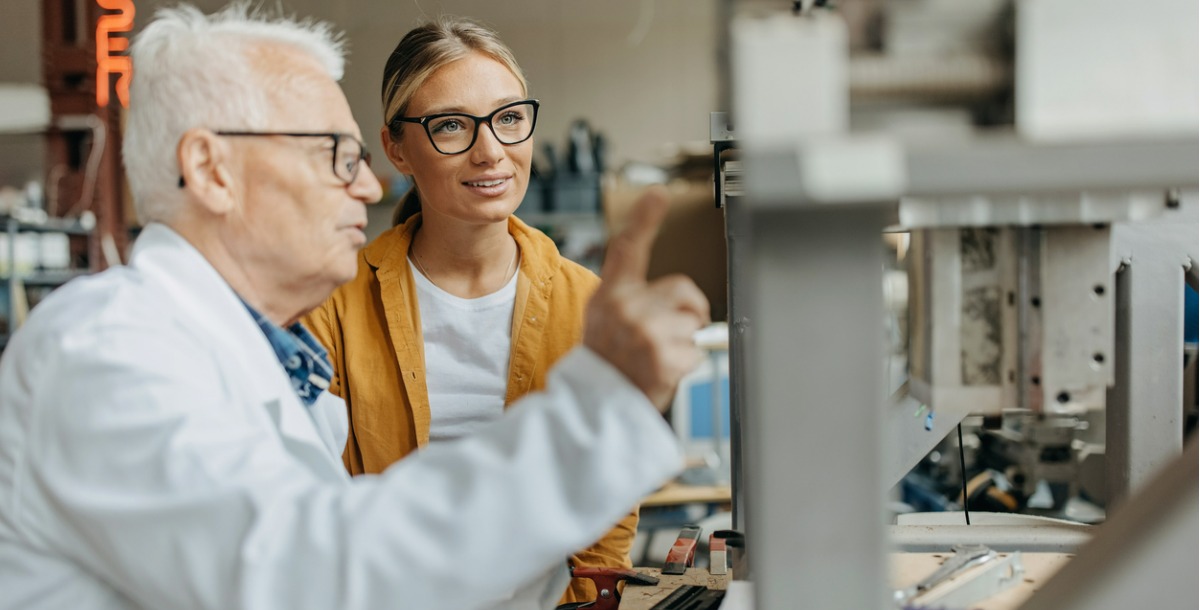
(153, 455)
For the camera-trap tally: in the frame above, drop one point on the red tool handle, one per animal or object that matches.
(606, 579)
(683, 553)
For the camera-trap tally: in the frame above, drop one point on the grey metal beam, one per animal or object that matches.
(1145, 415)
(813, 172)
(1001, 538)
(1012, 166)
(908, 440)
(738, 237)
(1144, 556)
(815, 518)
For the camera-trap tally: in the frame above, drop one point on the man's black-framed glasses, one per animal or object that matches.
(454, 133)
(348, 152)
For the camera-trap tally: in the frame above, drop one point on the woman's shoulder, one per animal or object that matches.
(548, 262)
(577, 275)
(391, 246)
(386, 252)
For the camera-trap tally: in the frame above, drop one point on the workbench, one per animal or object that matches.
(639, 597)
(674, 494)
(906, 569)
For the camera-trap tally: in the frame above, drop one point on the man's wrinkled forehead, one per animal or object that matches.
(302, 94)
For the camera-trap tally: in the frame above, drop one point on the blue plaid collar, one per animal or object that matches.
(302, 356)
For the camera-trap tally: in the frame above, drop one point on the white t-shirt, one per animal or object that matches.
(467, 347)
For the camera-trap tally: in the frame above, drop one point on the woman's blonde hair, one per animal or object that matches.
(421, 52)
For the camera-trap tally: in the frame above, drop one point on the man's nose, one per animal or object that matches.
(366, 187)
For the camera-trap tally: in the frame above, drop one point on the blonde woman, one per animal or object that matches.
(460, 308)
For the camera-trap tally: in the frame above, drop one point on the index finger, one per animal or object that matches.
(628, 255)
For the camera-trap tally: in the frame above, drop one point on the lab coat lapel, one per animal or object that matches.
(248, 362)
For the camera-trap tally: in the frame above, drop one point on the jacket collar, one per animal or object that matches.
(539, 255)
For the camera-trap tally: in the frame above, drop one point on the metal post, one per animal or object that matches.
(737, 236)
(815, 522)
(1144, 427)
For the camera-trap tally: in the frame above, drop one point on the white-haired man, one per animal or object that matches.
(164, 440)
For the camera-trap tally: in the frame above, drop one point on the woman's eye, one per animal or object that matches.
(448, 126)
(510, 118)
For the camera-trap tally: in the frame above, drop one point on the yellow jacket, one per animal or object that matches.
(372, 328)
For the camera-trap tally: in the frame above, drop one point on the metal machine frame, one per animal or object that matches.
(814, 454)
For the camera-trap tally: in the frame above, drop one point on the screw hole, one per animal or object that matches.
(1098, 357)
(1035, 301)
(1172, 199)
(1035, 380)
(1063, 397)
(1098, 289)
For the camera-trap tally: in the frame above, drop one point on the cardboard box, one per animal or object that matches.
(692, 239)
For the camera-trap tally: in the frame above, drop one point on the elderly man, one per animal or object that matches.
(164, 438)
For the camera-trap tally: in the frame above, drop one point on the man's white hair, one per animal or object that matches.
(195, 70)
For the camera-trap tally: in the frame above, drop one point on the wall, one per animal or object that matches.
(20, 41)
(642, 72)
(20, 62)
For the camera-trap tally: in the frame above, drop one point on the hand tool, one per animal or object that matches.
(606, 579)
(735, 550)
(965, 556)
(717, 558)
(683, 553)
(691, 597)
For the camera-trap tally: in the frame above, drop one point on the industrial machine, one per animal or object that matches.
(1040, 158)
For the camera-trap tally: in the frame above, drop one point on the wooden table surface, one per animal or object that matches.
(640, 597)
(674, 493)
(907, 569)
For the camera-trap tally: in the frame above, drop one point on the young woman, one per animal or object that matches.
(460, 308)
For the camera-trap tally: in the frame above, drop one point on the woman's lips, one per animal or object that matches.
(492, 187)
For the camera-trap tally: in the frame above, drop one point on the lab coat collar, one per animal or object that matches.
(203, 299)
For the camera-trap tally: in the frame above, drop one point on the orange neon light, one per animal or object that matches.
(106, 44)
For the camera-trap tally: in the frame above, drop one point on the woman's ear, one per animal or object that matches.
(392, 148)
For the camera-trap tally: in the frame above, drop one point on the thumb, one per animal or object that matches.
(628, 255)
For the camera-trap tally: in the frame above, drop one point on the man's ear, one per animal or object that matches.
(391, 147)
(204, 170)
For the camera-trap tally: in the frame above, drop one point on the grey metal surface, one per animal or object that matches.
(1144, 556)
(908, 441)
(1055, 538)
(1077, 318)
(964, 344)
(738, 236)
(814, 522)
(1089, 69)
(1010, 166)
(1144, 428)
(786, 175)
(1006, 318)
(939, 78)
(1076, 208)
(718, 127)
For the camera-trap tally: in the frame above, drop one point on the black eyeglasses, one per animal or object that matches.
(348, 152)
(453, 133)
